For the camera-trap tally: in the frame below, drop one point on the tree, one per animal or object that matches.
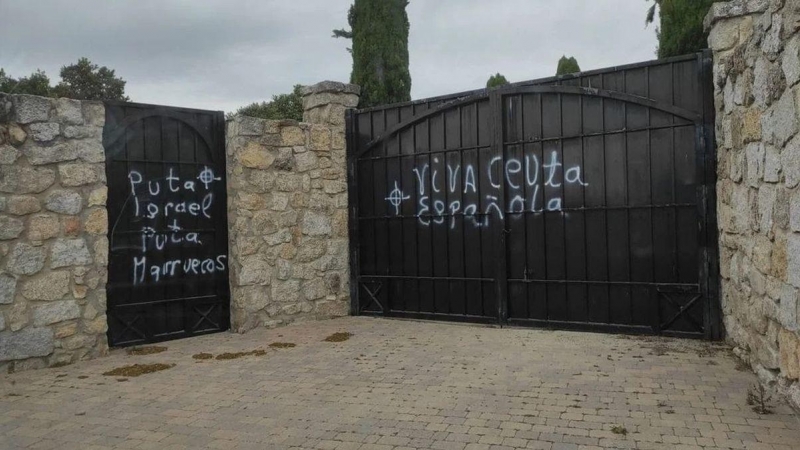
(567, 65)
(379, 34)
(680, 29)
(496, 80)
(36, 84)
(87, 81)
(283, 106)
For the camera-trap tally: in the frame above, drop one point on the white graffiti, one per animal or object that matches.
(396, 198)
(526, 180)
(165, 201)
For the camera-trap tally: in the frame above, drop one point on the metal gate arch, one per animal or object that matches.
(168, 241)
(583, 201)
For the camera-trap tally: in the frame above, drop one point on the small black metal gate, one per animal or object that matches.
(168, 239)
(582, 201)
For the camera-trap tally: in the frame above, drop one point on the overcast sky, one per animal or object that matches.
(222, 54)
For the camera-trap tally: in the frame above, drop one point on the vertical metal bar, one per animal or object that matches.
(501, 288)
(445, 222)
(385, 146)
(351, 127)
(583, 204)
(627, 190)
(544, 213)
(563, 199)
(432, 210)
(463, 217)
(525, 189)
(402, 219)
(416, 205)
(653, 310)
(715, 329)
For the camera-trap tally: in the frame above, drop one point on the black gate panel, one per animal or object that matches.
(577, 202)
(168, 242)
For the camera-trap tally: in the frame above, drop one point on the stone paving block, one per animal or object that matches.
(381, 389)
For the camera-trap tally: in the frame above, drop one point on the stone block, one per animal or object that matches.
(31, 108)
(292, 135)
(2, 323)
(249, 126)
(791, 61)
(69, 252)
(320, 138)
(40, 155)
(10, 227)
(285, 291)
(94, 113)
(25, 259)
(98, 197)
(793, 259)
(48, 287)
(254, 271)
(21, 205)
(315, 224)
(8, 287)
(255, 156)
(724, 35)
(772, 165)
(16, 134)
(64, 202)
(24, 344)
(80, 174)
(43, 226)
(779, 122)
(45, 131)
(56, 312)
(794, 211)
(787, 308)
(69, 111)
(97, 221)
(8, 154)
(789, 344)
(25, 180)
(90, 150)
(790, 162)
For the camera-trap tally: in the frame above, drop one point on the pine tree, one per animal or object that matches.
(567, 65)
(379, 34)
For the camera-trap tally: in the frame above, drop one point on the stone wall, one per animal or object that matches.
(287, 212)
(756, 47)
(53, 224)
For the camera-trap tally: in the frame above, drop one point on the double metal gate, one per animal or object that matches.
(168, 235)
(576, 202)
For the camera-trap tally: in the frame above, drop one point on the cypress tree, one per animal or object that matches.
(567, 65)
(680, 29)
(379, 32)
(496, 80)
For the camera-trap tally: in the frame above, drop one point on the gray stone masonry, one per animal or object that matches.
(287, 212)
(756, 47)
(53, 226)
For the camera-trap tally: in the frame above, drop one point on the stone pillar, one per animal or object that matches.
(756, 46)
(287, 211)
(53, 227)
(326, 102)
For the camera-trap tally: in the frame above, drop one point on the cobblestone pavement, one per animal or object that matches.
(397, 385)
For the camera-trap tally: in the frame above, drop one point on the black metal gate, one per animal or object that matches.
(168, 238)
(576, 202)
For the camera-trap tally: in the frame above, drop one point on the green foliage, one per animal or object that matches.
(379, 31)
(87, 81)
(283, 106)
(680, 29)
(496, 80)
(36, 83)
(81, 81)
(567, 65)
